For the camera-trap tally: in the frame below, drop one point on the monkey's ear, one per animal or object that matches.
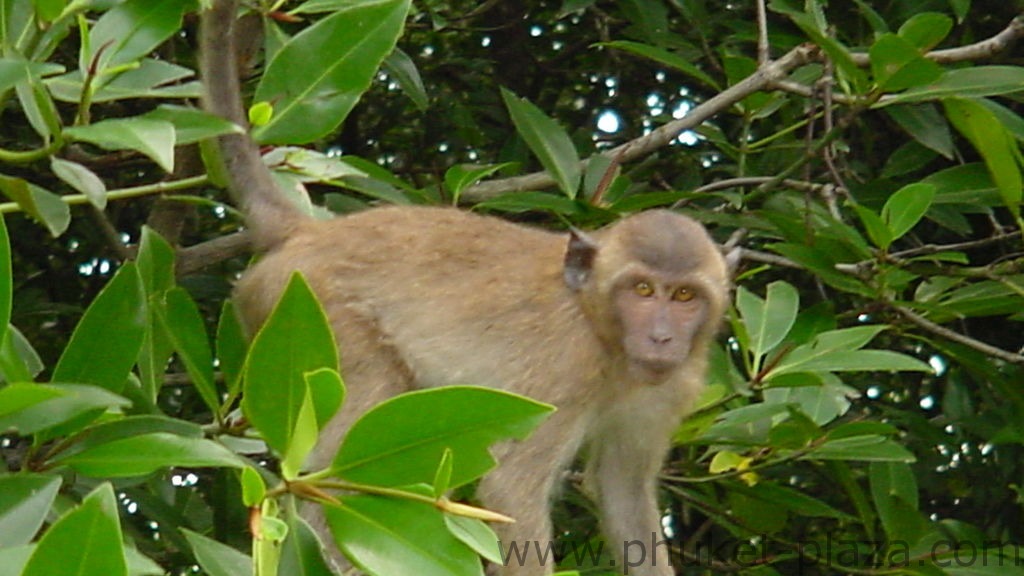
(579, 259)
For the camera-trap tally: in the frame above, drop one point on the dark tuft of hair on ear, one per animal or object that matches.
(579, 259)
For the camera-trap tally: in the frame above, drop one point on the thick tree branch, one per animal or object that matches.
(194, 258)
(643, 146)
(770, 76)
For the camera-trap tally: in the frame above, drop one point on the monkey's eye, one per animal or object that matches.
(643, 288)
(683, 295)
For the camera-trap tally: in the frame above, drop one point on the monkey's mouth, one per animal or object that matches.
(656, 366)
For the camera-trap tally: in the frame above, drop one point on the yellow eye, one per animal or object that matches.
(643, 288)
(683, 295)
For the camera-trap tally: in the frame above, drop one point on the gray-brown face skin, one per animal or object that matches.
(659, 317)
(657, 282)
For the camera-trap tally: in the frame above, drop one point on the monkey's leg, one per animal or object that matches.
(625, 458)
(523, 487)
(373, 372)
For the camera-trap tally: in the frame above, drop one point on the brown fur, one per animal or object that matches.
(431, 296)
(421, 297)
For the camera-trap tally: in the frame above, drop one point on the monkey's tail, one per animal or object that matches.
(269, 214)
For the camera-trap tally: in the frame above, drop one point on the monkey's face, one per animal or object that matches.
(659, 320)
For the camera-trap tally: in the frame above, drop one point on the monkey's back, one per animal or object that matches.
(450, 291)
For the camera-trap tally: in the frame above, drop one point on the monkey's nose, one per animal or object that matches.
(660, 338)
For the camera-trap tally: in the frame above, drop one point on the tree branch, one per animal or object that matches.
(983, 49)
(643, 146)
(957, 337)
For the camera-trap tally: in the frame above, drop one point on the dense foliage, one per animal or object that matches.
(860, 161)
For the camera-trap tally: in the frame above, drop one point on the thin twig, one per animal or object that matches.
(957, 337)
(983, 49)
(798, 185)
(936, 248)
(763, 54)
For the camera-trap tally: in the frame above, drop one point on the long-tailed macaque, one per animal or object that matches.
(611, 327)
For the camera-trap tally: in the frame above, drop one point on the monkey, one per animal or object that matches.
(612, 327)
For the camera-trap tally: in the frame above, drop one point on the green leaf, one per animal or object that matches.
(856, 361)
(21, 395)
(131, 30)
(795, 501)
(443, 476)
(831, 341)
(462, 176)
(155, 262)
(863, 428)
(132, 426)
(840, 54)
(38, 106)
(25, 501)
(876, 228)
(979, 299)
(138, 455)
(190, 124)
(303, 438)
(13, 559)
(6, 289)
(140, 565)
(98, 355)
(312, 165)
(156, 268)
(328, 392)
(41, 205)
(82, 179)
(154, 138)
(768, 321)
(302, 552)
(232, 346)
(865, 448)
(897, 65)
(548, 142)
(254, 490)
(400, 67)
(906, 207)
(477, 535)
(965, 184)
(746, 425)
(312, 94)
(72, 402)
(725, 461)
(974, 81)
(180, 317)
(821, 404)
(662, 56)
(19, 361)
(822, 264)
(150, 79)
(530, 201)
(217, 559)
(402, 440)
(395, 536)
(86, 540)
(926, 125)
(14, 71)
(294, 341)
(997, 147)
(926, 29)
(894, 491)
